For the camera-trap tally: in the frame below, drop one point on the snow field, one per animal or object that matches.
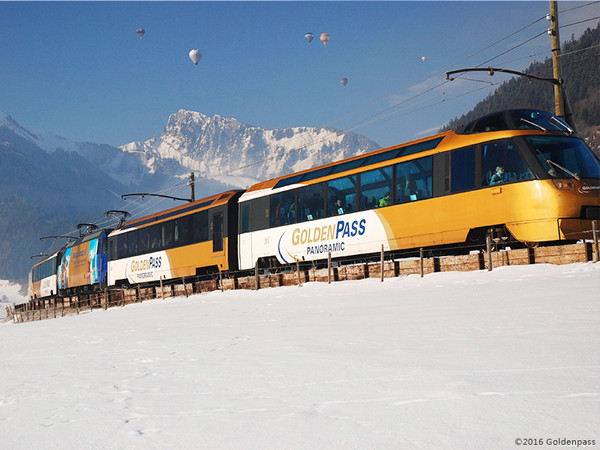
(452, 360)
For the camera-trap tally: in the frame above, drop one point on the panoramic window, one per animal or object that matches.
(502, 163)
(245, 218)
(182, 231)
(493, 122)
(414, 180)
(375, 188)
(283, 208)
(143, 240)
(155, 237)
(132, 243)
(260, 213)
(565, 157)
(462, 169)
(311, 202)
(341, 196)
(200, 227)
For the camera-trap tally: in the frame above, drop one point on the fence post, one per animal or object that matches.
(221, 279)
(595, 233)
(488, 244)
(184, 287)
(298, 272)
(329, 267)
(257, 280)
(421, 256)
(162, 294)
(382, 263)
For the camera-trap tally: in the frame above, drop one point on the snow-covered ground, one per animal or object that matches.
(449, 361)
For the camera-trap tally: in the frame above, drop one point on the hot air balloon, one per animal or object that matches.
(324, 38)
(140, 32)
(195, 56)
(309, 37)
(424, 58)
(344, 81)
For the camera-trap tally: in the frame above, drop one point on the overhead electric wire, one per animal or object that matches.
(579, 6)
(369, 118)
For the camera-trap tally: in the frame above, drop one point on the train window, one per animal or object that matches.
(493, 122)
(143, 245)
(260, 214)
(361, 162)
(462, 169)
(168, 235)
(182, 231)
(112, 248)
(155, 238)
(283, 208)
(375, 188)
(420, 147)
(341, 196)
(200, 227)
(311, 202)
(414, 180)
(217, 232)
(502, 163)
(350, 165)
(245, 217)
(132, 243)
(565, 157)
(317, 174)
(122, 246)
(379, 157)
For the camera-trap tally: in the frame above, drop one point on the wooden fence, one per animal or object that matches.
(84, 303)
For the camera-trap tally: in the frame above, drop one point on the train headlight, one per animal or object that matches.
(564, 185)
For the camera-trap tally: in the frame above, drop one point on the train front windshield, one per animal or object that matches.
(565, 157)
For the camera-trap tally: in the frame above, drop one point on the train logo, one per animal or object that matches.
(338, 236)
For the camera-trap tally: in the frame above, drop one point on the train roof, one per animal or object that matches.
(47, 258)
(88, 237)
(181, 210)
(518, 121)
(352, 163)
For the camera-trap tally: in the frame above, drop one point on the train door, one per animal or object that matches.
(217, 231)
(244, 235)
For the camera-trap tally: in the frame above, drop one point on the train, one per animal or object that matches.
(523, 175)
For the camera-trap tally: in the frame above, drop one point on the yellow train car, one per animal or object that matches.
(184, 241)
(522, 173)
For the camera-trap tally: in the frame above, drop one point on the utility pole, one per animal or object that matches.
(192, 191)
(559, 108)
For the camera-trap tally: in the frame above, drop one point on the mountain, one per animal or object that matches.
(579, 70)
(48, 183)
(224, 148)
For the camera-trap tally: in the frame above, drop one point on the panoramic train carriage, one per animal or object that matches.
(82, 265)
(193, 239)
(43, 281)
(522, 173)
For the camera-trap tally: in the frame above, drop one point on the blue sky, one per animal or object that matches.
(79, 70)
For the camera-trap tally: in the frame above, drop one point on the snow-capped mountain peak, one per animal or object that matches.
(218, 146)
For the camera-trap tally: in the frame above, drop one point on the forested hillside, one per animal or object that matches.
(579, 65)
